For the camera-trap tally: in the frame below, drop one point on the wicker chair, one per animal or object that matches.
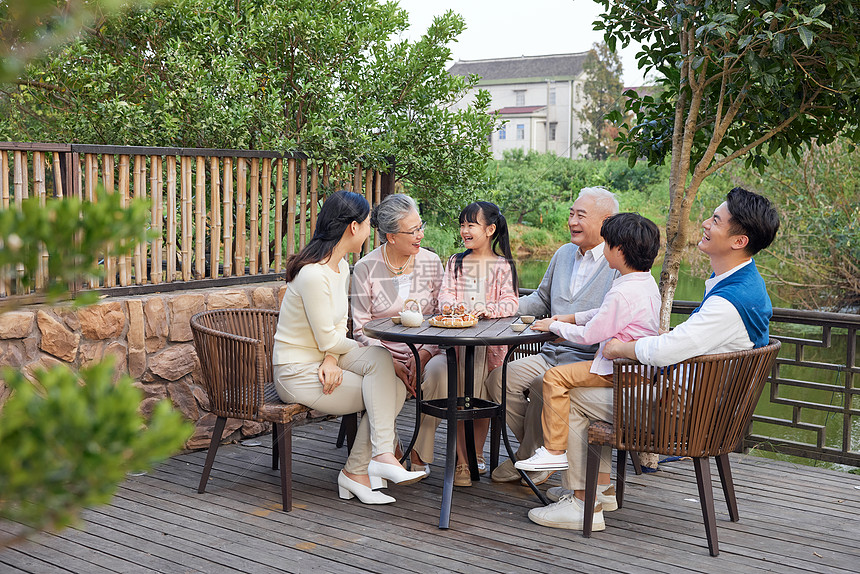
(698, 408)
(235, 350)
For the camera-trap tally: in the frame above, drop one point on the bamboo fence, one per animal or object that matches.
(215, 214)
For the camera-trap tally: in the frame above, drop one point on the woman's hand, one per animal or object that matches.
(331, 376)
(406, 374)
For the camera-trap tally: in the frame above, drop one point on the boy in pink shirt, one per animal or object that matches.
(630, 310)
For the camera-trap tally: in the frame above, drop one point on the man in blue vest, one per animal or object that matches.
(734, 316)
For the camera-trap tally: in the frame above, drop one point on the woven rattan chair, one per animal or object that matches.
(699, 408)
(235, 350)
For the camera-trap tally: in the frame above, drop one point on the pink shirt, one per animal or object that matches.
(374, 294)
(501, 299)
(630, 310)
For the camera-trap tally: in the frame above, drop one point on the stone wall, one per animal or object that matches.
(150, 338)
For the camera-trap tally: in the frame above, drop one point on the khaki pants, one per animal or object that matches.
(523, 414)
(557, 383)
(586, 404)
(369, 383)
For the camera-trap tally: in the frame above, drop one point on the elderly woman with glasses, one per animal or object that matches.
(387, 277)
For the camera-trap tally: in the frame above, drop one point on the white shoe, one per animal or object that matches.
(568, 513)
(394, 472)
(606, 498)
(506, 472)
(347, 488)
(543, 460)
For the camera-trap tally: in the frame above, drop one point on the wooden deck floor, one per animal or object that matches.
(793, 519)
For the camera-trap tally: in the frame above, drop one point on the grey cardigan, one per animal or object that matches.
(553, 297)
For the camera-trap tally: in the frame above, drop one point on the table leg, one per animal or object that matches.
(417, 403)
(504, 429)
(469, 424)
(451, 447)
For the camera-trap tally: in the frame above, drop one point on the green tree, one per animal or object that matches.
(329, 77)
(602, 90)
(522, 183)
(816, 263)
(29, 27)
(742, 78)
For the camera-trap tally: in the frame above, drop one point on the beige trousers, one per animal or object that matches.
(586, 404)
(523, 414)
(369, 383)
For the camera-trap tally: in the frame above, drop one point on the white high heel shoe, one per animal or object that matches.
(347, 488)
(394, 472)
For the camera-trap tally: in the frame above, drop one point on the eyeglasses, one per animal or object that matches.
(419, 229)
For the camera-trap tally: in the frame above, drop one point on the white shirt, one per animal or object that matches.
(716, 328)
(584, 266)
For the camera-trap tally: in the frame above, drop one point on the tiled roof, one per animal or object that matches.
(542, 67)
(520, 109)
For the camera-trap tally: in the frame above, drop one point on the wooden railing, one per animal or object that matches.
(216, 214)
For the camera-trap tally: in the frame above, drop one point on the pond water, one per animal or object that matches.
(692, 288)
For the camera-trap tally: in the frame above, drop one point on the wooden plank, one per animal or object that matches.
(171, 219)
(157, 521)
(124, 272)
(279, 217)
(227, 221)
(265, 232)
(5, 284)
(254, 222)
(215, 219)
(291, 207)
(241, 217)
(368, 195)
(39, 191)
(200, 217)
(156, 186)
(315, 172)
(140, 194)
(108, 184)
(186, 209)
(377, 198)
(303, 204)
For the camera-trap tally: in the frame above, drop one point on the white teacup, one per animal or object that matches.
(518, 327)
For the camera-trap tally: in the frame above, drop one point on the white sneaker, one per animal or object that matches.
(506, 472)
(606, 498)
(567, 513)
(543, 460)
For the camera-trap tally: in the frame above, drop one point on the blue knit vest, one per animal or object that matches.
(745, 290)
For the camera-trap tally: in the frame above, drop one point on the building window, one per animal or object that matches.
(521, 131)
(552, 128)
(552, 96)
(520, 96)
(502, 133)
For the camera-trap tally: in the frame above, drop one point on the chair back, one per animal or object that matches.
(699, 407)
(235, 351)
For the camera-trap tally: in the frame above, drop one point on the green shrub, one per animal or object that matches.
(68, 439)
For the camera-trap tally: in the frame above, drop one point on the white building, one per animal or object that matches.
(539, 96)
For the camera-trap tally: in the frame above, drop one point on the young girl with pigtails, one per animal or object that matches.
(482, 280)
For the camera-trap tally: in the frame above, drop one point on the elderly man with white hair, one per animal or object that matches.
(576, 280)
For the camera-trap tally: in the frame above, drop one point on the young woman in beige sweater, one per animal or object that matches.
(318, 366)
